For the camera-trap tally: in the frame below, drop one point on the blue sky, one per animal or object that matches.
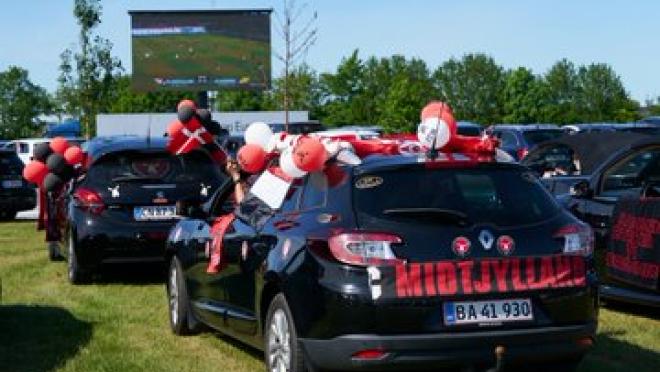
(532, 33)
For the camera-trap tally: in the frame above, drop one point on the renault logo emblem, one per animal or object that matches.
(486, 239)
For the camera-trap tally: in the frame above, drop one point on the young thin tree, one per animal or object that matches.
(297, 41)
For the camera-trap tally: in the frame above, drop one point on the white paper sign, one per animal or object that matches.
(270, 189)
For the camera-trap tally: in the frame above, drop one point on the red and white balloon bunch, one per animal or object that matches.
(193, 128)
(53, 163)
(298, 154)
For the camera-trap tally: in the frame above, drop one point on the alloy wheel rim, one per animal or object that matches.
(279, 346)
(174, 297)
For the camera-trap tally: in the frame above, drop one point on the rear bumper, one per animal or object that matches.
(18, 202)
(630, 295)
(107, 241)
(451, 349)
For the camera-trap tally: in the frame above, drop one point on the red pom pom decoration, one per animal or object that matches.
(251, 158)
(59, 145)
(309, 154)
(35, 172)
(74, 155)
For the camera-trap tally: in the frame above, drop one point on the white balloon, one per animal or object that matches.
(258, 133)
(433, 132)
(288, 166)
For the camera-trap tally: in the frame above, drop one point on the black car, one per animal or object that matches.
(122, 207)
(519, 139)
(15, 194)
(618, 193)
(394, 264)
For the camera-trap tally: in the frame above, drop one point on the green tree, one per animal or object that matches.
(341, 92)
(126, 100)
(562, 86)
(88, 76)
(21, 104)
(240, 100)
(303, 91)
(472, 86)
(403, 102)
(524, 97)
(602, 97)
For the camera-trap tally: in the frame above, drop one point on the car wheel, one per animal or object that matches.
(282, 349)
(54, 251)
(182, 320)
(75, 273)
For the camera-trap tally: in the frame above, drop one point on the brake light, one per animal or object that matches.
(89, 200)
(578, 239)
(370, 354)
(364, 248)
(522, 152)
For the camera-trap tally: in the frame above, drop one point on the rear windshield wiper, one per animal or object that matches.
(452, 215)
(132, 177)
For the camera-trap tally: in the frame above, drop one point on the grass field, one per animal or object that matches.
(121, 323)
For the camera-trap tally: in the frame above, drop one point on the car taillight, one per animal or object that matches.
(364, 248)
(89, 200)
(578, 239)
(522, 152)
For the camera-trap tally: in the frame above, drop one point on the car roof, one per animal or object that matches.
(594, 148)
(100, 146)
(526, 127)
(380, 162)
(468, 124)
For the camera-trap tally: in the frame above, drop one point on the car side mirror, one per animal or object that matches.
(582, 189)
(190, 209)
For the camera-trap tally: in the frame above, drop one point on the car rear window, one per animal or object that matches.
(155, 168)
(469, 131)
(10, 164)
(537, 136)
(498, 196)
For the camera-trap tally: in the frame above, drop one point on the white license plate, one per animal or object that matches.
(488, 312)
(160, 212)
(12, 184)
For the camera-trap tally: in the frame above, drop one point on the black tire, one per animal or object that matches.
(54, 251)
(277, 349)
(182, 320)
(75, 273)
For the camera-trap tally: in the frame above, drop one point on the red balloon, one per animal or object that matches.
(251, 158)
(174, 128)
(309, 154)
(74, 155)
(186, 102)
(435, 108)
(59, 145)
(35, 172)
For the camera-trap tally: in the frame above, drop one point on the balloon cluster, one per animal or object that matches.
(298, 154)
(193, 128)
(53, 163)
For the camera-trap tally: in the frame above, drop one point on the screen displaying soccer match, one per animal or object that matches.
(201, 50)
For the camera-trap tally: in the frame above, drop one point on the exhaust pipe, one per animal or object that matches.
(499, 359)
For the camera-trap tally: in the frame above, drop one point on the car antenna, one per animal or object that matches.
(432, 154)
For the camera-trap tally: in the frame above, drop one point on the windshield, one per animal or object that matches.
(534, 137)
(498, 196)
(10, 164)
(149, 167)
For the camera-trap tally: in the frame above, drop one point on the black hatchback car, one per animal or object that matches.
(15, 194)
(122, 207)
(396, 264)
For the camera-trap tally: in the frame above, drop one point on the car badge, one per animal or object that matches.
(369, 182)
(244, 250)
(114, 191)
(204, 191)
(160, 198)
(486, 239)
(286, 247)
(505, 244)
(461, 246)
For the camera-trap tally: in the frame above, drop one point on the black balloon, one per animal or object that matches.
(52, 182)
(204, 116)
(41, 152)
(67, 173)
(56, 163)
(185, 113)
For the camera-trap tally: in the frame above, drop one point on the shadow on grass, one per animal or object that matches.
(632, 309)
(611, 354)
(39, 338)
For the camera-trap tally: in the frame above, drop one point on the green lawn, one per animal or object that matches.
(121, 324)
